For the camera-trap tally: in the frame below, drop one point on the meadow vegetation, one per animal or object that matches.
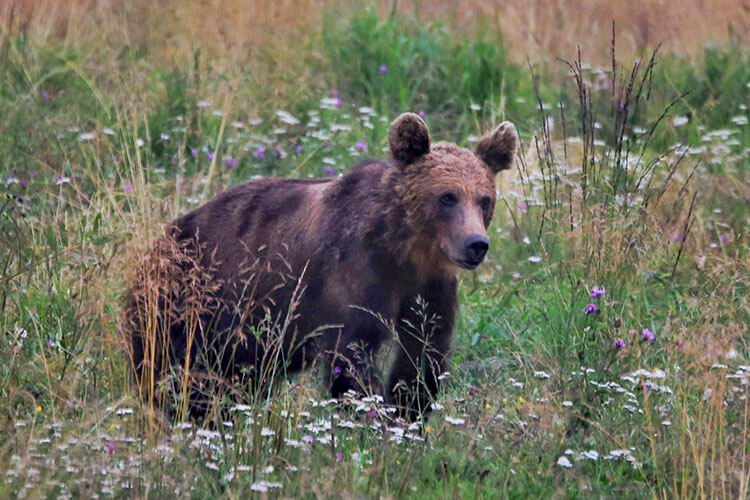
(602, 349)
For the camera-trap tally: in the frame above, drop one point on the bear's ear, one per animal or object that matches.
(408, 138)
(498, 147)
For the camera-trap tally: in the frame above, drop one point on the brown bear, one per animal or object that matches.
(276, 274)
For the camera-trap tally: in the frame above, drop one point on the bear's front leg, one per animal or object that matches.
(425, 327)
(347, 372)
(351, 361)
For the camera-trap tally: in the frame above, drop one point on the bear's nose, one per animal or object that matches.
(476, 248)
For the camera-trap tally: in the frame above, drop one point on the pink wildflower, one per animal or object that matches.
(647, 335)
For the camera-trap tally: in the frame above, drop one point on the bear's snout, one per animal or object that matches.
(475, 249)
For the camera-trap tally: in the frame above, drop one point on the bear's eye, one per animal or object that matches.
(448, 199)
(485, 203)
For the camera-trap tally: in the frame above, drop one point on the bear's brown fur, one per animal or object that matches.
(277, 273)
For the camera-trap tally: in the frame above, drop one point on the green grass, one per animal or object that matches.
(98, 159)
(401, 64)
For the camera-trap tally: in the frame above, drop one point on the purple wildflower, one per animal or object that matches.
(278, 152)
(127, 188)
(372, 414)
(260, 153)
(421, 113)
(50, 343)
(299, 148)
(383, 69)
(45, 95)
(24, 183)
(339, 102)
(194, 153)
(210, 155)
(591, 309)
(111, 447)
(677, 238)
(32, 174)
(724, 238)
(597, 292)
(619, 344)
(647, 335)
(361, 146)
(336, 369)
(232, 163)
(307, 438)
(473, 389)
(330, 171)
(523, 207)
(339, 456)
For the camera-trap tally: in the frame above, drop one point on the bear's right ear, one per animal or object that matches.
(408, 138)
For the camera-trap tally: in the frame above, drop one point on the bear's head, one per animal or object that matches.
(448, 192)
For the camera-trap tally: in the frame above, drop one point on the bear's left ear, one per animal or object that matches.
(408, 138)
(498, 148)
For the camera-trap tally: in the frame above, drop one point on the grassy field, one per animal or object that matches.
(602, 350)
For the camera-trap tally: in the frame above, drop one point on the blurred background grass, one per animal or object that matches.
(169, 29)
(116, 117)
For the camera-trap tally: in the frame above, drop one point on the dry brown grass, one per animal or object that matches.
(232, 31)
(267, 41)
(554, 28)
(168, 28)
